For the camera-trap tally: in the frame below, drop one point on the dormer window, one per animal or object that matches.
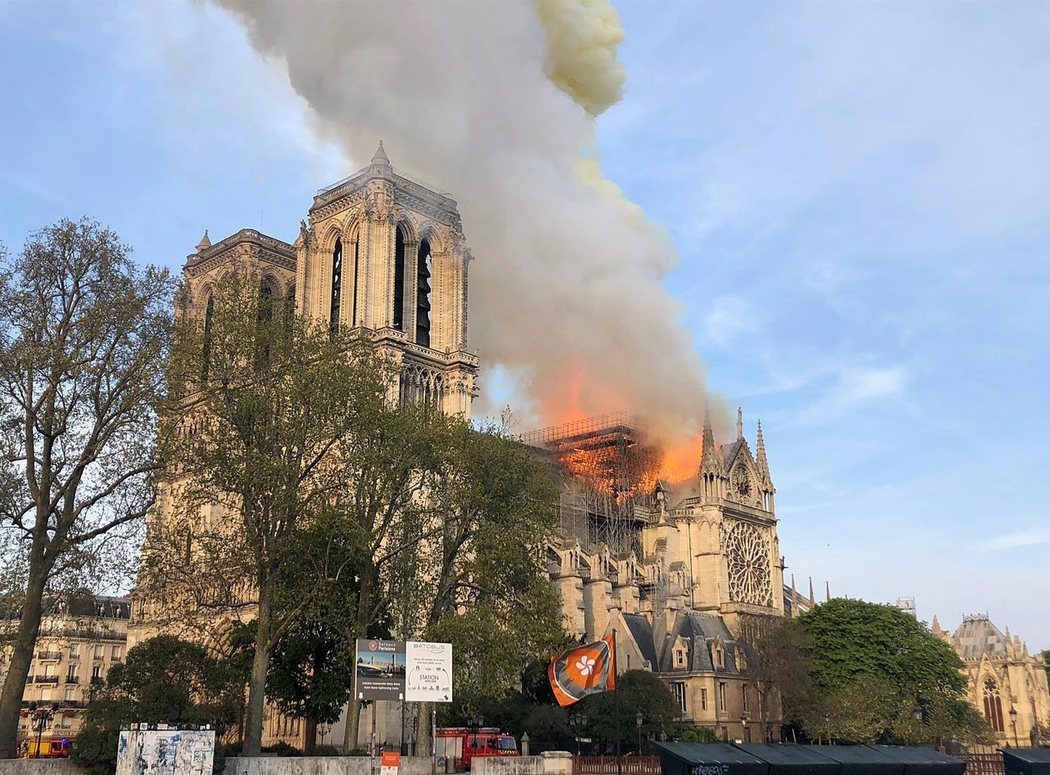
(719, 656)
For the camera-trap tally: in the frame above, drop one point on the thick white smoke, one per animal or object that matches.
(495, 102)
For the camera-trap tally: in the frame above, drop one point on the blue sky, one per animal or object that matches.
(858, 193)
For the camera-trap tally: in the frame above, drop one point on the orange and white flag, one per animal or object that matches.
(583, 670)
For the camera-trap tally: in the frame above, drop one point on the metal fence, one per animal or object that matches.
(608, 765)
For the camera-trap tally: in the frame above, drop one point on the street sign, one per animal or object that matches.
(380, 673)
(389, 763)
(428, 676)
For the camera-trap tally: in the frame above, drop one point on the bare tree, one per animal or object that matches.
(83, 338)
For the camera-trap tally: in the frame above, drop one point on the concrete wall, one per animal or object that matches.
(38, 767)
(320, 765)
(551, 763)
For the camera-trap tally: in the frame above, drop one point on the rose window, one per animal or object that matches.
(747, 556)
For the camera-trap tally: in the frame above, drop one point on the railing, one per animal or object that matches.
(47, 679)
(72, 679)
(49, 655)
(985, 764)
(607, 765)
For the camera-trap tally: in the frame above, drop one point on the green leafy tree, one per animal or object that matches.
(637, 691)
(700, 735)
(84, 334)
(163, 680)
(477, 579)
(312, 667)
(270, 407)
(873, 668)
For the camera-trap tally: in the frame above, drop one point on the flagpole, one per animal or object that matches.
(616, 691)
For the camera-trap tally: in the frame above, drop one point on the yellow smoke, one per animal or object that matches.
(582, 36)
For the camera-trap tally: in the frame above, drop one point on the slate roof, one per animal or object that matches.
(977, 636)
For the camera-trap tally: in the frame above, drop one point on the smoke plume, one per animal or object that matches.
(495, 102)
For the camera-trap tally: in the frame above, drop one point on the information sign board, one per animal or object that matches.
(428, 676)
(380, 673)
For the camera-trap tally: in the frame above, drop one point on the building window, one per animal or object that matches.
(679, 657)
(719, 656)
(98, 651)
(423, 266)
(71, 674)
(399, 280)
(337, 285)
(96, 674)
(74, 651)
(209, 315)
(71, 695)
(45, 695)
(743, 696)
(722, 696)
(116, 654)
(993, 706)
(678, 690)
(703, 699)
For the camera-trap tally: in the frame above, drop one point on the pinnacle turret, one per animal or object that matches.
(379, 158)
(205, 243)
(739, 424)
(710, 458)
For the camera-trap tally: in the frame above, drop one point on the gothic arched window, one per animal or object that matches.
(353, 289)
(423, 264)
(264, 324)
(209, 315)
(337, 284)
(993, 706)
(399, 280)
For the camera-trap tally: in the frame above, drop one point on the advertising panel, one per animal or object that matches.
(380, 673)
(429, 672)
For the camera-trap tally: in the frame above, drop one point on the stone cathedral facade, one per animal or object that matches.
(689, 579)
(689, 575)
(379, 253)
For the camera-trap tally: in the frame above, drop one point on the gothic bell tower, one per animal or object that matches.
(385, 254)
(738, 571)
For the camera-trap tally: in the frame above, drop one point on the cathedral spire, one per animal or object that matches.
(811, 598)
(760, 456)
(205, 243)
(710, 459)
(935, 627)
(739, 424)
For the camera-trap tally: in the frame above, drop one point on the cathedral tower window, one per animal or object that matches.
(993, 706)
(209, 315)
(353, 289)
(337, 285)
(399, 280)
(423, 267)
(264, 325)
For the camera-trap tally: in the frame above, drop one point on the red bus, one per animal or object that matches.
(460, 745)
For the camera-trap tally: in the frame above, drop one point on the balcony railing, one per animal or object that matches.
(72, 679)
(49, 655)
(96, 680)
(47, 679)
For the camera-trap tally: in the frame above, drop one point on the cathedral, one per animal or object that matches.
(687, 574)
(1007, 685)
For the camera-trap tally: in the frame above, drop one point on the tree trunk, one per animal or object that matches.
(253, 723)
(351, 733)
(423, 730)
(21, 658)
(310, 741)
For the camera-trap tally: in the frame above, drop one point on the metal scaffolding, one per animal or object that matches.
(610, 479)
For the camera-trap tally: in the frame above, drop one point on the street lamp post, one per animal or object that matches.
(40, 718)
(475, 722)
(638, 722)
(1013, 723)
(827, 724)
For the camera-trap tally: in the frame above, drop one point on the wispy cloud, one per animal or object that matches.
(729, 318)
(1015, 540)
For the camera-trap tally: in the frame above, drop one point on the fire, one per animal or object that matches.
(681, 461)
(613, 452)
